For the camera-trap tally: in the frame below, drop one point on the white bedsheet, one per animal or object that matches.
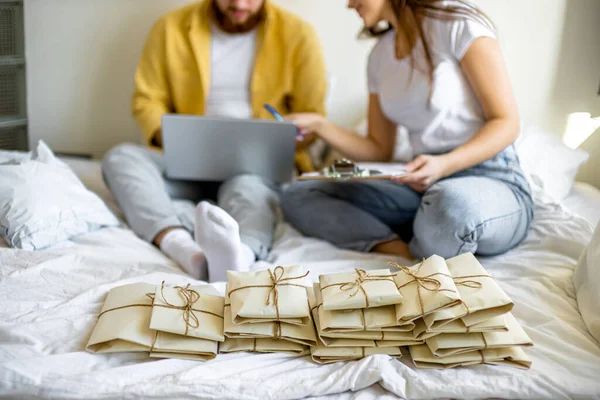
(49, 302)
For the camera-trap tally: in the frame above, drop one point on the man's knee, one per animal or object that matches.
(253, 188)
(121, 155)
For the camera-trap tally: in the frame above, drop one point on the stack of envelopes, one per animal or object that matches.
(268, 311)
(355, 316)
(180, 322)
(449, 313)
(478, 328)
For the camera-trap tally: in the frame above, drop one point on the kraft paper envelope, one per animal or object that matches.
(277, 294)
(510, 356)
(204, 320)
(329, 342)
(439, 319)
(384, 319)
(124, 326)
(336, 321)
(370, 335)
(420, 332)
(358, 289)
(182, 356)
(177, 344)
(496, 324)
(328, 355)
(302, 334)
(370, 319)
(485, 302)
(426, 288)
(399, 343)
(347, 339)
(262, 346)
(332, 342)
(447, 344)
(481, 295)
(124, 323)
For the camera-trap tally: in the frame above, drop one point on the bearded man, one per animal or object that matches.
(222, 58)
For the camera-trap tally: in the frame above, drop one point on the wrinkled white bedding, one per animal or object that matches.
(49, 302)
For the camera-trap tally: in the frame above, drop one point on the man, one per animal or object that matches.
(218, 58)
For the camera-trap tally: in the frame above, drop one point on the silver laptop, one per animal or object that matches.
(216, 149)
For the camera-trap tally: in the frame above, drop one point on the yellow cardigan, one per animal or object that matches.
(173, 75)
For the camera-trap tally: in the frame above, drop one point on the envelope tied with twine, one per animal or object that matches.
(359, 289)
(426, 287)
(185, 311)
(271, 295)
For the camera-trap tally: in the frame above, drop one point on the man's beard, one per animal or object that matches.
(230, 26)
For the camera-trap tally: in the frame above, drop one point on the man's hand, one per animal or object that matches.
(305, 141)
(308, 122)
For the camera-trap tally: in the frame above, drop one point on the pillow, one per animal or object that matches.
(42, 202)
(586, 279)
(548, 162)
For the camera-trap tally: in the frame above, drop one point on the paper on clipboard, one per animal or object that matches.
(377, 171)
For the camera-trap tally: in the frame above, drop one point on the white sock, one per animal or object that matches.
(180, 246)
(219, 235)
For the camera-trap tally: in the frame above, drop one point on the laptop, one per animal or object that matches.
(198, 148)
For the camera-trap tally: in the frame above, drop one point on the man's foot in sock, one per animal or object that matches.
(219, 236)
(180, 246)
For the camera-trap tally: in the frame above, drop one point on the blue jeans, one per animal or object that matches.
(486, 209)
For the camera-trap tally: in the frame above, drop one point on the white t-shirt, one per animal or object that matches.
(455, 114)
(232, 62)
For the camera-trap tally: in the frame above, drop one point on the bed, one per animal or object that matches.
(49, 302)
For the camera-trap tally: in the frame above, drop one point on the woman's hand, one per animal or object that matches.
(308, 122)
(424, 171)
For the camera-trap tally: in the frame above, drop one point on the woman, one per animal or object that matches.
(437, 70)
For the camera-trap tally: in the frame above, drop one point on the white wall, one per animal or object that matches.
(552, 49)
(82, 55)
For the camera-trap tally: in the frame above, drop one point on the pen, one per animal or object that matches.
(280, 118)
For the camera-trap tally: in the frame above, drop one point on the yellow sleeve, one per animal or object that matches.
(151, 98)
(310, 77)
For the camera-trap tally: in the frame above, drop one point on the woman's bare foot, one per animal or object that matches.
(394, 247)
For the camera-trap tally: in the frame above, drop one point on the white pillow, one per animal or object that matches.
(586, 279)
(42, 202)
(548, 162)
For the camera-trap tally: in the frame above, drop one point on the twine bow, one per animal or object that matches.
(190, 297)
(467, 281)
(277, 280)
(423, 282)
(357, 284)
(426, 282)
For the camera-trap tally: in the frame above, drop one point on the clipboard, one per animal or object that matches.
(345, 170)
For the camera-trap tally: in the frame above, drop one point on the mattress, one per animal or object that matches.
(49, 302)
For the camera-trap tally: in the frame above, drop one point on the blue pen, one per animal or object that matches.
(280, 118)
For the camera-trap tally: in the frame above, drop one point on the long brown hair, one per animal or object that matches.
(410, 15)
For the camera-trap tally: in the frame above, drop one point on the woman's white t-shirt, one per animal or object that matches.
(454, 114)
